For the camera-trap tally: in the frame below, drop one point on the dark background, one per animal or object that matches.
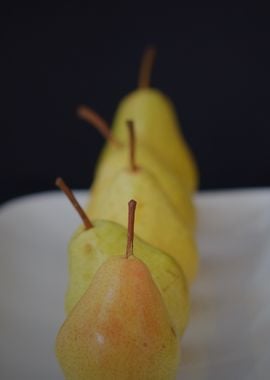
(212, 61)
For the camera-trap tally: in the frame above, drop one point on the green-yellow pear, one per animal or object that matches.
(157, 127)
(171, 184)
(88, 249)
(120, 329)
(159, 224)
(93, 244)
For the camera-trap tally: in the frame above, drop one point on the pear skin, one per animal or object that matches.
(157, 220)
(89, 248)
(158, 129)
(120, 328)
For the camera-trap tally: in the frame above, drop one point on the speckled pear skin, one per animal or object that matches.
(172, 185)
(120, 328)
(90, 248)
(158, 129)
(157, 221)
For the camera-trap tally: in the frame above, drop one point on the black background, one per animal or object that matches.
(212, 61)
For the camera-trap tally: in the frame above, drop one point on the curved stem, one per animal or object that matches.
(146, 67)
(130, 231)
(87, 114)
(64, 187)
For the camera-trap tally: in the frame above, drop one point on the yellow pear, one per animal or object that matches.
(158, 222)
(158, 128)
(157, 125)
(93, 244)
(120, 329)
(88, 249)
(171, 184)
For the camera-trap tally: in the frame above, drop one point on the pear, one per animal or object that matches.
(169, 183)
(159, 223)
(157, 126)
(120, 328)
(92, 244)
(88, 249)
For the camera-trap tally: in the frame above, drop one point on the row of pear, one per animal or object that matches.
(145, 158)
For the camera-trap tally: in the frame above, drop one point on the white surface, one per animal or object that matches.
(229, 332)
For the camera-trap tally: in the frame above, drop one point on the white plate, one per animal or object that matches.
(229, 332)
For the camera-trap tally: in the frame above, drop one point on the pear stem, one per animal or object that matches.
(130, 232)
(63, 186)
(132, 145)
(87, 114)
(146, 67)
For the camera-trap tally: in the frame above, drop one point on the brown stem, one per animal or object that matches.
(87, 114)
(132, 145)
(62, 185)
(130, 232)
(146, 67)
